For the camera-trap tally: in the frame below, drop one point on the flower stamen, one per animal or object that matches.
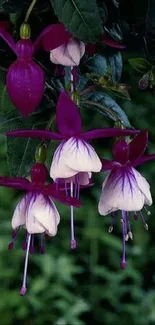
(23, 288)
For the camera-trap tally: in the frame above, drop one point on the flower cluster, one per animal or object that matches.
(75, 160)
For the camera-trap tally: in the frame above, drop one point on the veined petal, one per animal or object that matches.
(40, 134)
(67, 115)
(59, 169)
(108, 132)
(120, 191)
(138, 145)
(46, 214)
(143, 186)
(19, 217)
(81, 156)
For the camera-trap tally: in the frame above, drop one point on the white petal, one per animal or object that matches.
(81, 156)
(19, 218)
(75, 50)
(58, 167)
(81, 178)
(46, 214)
(143, 186)
(120, 192)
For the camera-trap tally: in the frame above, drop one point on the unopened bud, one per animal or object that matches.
(130, 235)
(25, 31)
(41, 152)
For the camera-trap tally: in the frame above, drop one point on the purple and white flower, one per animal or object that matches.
(74, 155)
(125, 188)
(36, 212)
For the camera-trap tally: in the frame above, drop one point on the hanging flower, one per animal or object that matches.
(25, 78)
(69, 53)
(74, 158)
(36, 211)
(125, 188)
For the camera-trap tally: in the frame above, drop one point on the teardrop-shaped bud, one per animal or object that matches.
(25, 80)
(121, 151)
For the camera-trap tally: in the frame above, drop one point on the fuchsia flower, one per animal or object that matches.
(69, 53)
(36, 211)
(125, 188)
(25, 78)
(74, 158)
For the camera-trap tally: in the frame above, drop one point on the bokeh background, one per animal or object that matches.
(85, 286)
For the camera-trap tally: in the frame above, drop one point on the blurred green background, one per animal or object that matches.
(85, 286)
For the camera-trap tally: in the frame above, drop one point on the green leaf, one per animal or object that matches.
(116, 65)
(113, 110)
(140, 64)
(80, 17)
(98, 64)
(20, 152)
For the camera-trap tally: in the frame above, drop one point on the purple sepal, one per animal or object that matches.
(109, 165)
(52, 37)
(108, 132)
(138, 145)
(110, 42)
(50, 190)
(8, 39)
(19, 183)
(68, 116)
(143, 160)
(42, 134)
(121, 151)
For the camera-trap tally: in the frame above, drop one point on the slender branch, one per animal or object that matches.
(29, 10)
(100, 106)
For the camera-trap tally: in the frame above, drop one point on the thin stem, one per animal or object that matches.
(87, 90)
(72, 81)
(101, 107)
(73, 241)
(29, 10)
(23, 288)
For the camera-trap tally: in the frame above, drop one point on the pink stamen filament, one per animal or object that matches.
(23, 288)
(73, 241)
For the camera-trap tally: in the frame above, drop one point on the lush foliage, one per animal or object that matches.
(74, 287)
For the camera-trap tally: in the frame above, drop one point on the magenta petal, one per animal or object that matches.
(67, 116)
(143, 160)
(109, 165)
(108, 132)
(25, 85)
(8, 39)
(121, 151)
(52, 37)
(110, 42)
(138, 145)
(61, 196)
(19, 183)
(41, 134)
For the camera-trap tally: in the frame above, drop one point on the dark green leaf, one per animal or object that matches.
(140, 64)
(80, 17)
(98, 64)
(20, 152)
(13, 6)
(116, 65)
(113, 110)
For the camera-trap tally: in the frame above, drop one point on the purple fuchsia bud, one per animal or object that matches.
(68, 54)
(25, 79)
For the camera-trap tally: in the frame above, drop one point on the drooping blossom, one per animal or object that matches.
(25, 78)
(125, 189)
(69, 53)
(75, 158)
(36, 211)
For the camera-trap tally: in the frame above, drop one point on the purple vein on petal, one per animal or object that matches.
(68, 116)
(108, 132)
(138, 145)
(35, 134)
(109, 165)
